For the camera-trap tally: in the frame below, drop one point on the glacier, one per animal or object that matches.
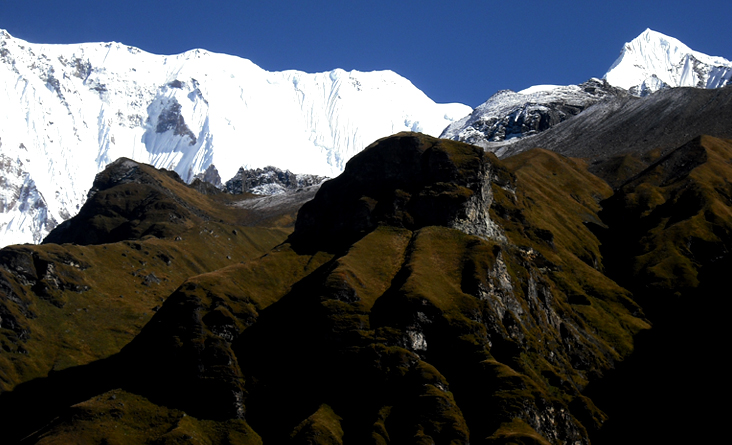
(69, 110)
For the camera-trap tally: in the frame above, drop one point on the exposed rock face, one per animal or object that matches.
(475, 217)
(211, 175)
(170, 118)
(508, 115)
(269, 181)
(22, 207)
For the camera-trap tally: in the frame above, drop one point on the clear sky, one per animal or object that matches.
(454, 51)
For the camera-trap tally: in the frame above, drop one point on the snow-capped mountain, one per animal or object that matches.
(68, 110)
(653, 61)
(650, 62)
(508, 115)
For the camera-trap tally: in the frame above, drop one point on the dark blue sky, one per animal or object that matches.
(457, 51)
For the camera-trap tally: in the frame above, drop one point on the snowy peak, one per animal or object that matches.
(653, 61)
(650, 62)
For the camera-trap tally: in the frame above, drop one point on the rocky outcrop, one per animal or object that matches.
(22, 207)
(211, 176)
(508, 116)
(170, 118)
(269, 181)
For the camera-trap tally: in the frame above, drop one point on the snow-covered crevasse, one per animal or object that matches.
(68, 110)
(653, 61)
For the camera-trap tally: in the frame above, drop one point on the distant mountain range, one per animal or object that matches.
(650, 62)
(69, 110)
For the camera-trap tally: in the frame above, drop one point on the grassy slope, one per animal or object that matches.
(677, 216)
(72, 328)
(70, 304)
(68, 309)
(119, 417)
(561, 197)
(410, 334)
(450, 321)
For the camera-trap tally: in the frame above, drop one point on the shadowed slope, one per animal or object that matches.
(668, 240)
(677, 216)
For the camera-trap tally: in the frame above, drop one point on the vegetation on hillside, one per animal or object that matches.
(430, 294)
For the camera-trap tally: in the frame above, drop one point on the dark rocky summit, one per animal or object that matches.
(211, 176)
(407, 181)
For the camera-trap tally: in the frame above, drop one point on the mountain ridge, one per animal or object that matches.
(613, 136)
(171, 122)
(71, 109)
(650, 63)
(507, 115)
